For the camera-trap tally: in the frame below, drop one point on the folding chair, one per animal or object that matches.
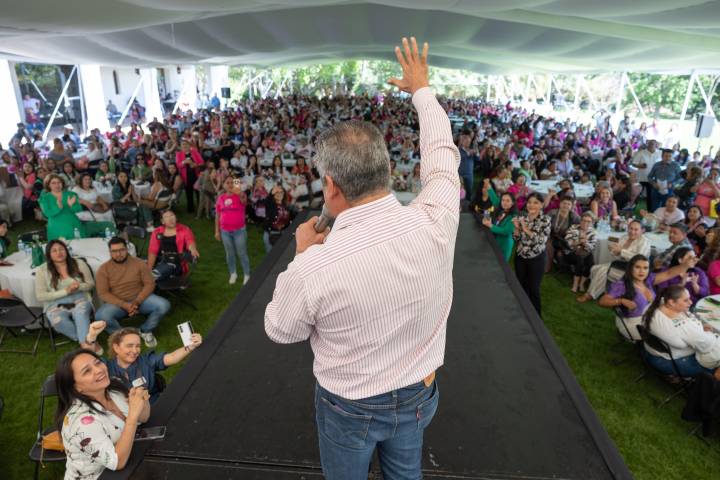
(14, 314)
(137, 233)
(27, 237)
(176, 286)
(38, 454)
(660, 346)
(124, 213)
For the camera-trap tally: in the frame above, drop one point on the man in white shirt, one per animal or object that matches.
(376, 323)
(644, 160)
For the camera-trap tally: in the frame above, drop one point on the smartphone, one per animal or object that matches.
(150, 433)
(186, 330)
(139, 382)
(613, 239)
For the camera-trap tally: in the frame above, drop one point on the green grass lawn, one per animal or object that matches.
(654, 442)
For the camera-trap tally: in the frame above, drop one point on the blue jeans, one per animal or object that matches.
(236, 241)
(687, 366)
(154, 307)
(656, 199)
(468, 179)
(394, 422)
(74, 323)
(266, 241)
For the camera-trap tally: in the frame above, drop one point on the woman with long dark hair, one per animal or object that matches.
(97, 417)
(188, 160)
(64, 285)
(531, 233)
(580, 240)
(635, 291)
(500, 221)
(693, 279)
(669, 319)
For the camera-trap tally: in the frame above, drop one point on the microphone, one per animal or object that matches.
(323, 220)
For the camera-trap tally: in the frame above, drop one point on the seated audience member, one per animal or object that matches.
(697, 229)
(520, 191)
(603, 206)
(413, 180)
(677, 234)
(551, 172)
(126, 362)
(686, 193)
(711, 251)
(168, 243)
(96, 208)
(4, 240)
(695, 280)
(125, 284)
(667, 215)
(622, 193)
(64, 285)
(502, 181)
(60, 207)
(707, 191)
(69, 174)
(631, 244)
(580, 240)
(26, 178)
(277, 216)
(104, 175)
(140, 172)
(174, 179)
(561, 220)
(500, 221)
(634, 293)
(96, 415)
(690, 341)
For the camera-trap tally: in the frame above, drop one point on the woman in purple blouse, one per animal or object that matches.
(636, 291)
(695, 280)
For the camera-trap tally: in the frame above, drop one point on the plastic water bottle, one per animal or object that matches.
(108, 234)
(21, 246)
(76, 233)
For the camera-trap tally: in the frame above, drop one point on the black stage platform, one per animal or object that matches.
(242, 407)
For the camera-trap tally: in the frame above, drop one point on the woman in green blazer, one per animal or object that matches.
(60, 206)
(500, 221)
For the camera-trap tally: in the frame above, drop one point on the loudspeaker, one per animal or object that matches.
(225, 92)
(704, 126)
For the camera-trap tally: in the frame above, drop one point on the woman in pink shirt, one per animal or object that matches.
(230, 227)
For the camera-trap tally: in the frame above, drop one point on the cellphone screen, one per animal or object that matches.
(150, 433)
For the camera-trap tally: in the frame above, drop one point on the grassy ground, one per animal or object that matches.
(654, 442)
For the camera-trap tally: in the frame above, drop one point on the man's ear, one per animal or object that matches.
(331, 188)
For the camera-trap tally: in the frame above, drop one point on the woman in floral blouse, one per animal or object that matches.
(531, 233)
(581, 242)
(97, 417)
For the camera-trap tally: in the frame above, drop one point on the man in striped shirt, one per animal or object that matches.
(373, 295)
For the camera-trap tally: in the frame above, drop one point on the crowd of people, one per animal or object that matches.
(253, 164)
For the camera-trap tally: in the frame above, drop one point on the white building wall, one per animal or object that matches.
(127, 82)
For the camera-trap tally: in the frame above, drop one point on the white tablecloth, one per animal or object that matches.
(709, 312)
(582, 192)
(602, 254)
(142, 189)
(20, 278)
(12, 197)
(404, 197)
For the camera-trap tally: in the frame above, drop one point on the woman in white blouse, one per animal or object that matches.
(98, 209)
(695, 347)
(97, 417)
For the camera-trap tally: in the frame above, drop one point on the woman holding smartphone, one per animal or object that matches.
(230, 227)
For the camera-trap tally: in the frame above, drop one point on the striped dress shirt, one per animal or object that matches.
(374, 298)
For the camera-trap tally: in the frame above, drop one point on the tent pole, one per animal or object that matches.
(129, 104)
(621, 93)
(708, 107)
(687, 95)
(635, 97)
(57, 105)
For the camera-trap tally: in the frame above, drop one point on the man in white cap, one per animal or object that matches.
(70, 135)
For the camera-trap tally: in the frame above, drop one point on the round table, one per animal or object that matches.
(708, 312)
(658, 240)
(582, 192)
(19, 278)
(141, 188)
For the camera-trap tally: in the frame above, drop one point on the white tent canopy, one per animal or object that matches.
(487, 36)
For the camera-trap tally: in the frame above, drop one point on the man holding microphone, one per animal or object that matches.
(373, 295)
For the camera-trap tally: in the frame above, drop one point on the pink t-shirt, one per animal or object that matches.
(230, 211)
(713, 272)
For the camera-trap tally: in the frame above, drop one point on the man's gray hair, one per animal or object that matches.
(355, 156)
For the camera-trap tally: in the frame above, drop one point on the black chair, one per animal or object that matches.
(676, 379)
(27, 237)
(15, 315)
(125, 213)
(38, 454)
(137, 235)
(176, 286)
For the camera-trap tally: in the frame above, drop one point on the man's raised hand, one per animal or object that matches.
(414, 66)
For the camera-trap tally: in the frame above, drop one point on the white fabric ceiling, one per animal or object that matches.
(488, 36)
